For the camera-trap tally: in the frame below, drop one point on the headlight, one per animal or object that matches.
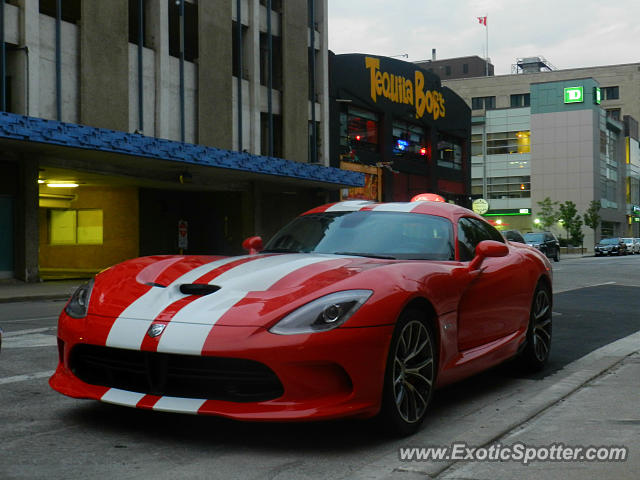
(79, 301)
(325, 313)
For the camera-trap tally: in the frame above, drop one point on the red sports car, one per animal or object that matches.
(353, 309)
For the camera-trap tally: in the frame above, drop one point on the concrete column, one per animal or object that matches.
(26, 235)
(295, 81)
(29, 29)
(322, 79)
(104, 64)
(158, 20)
(215, 74)
(253, 43)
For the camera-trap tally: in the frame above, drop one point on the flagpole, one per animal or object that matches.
(486, 26)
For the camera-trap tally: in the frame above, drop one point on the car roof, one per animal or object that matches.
(441, 209)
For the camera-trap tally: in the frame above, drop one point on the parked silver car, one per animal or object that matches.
(633, 245)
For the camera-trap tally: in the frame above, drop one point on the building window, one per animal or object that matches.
(449, 152)
(447, 70)
(134, 23)
(465, 68)
(277, 135)
(312, 158)
(410, 141)
(276, 45)
(70, 9)
(610, 93)
(75, 227)
(509, 142)
(236, 51)
(520, 100)
(276, 5)
(483, 103)
(476, 186)
(190, 30)
(509, 187)
(476, 144)
(359, 130)
(613, 113)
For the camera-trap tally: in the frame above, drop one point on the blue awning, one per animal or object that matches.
(52, 132)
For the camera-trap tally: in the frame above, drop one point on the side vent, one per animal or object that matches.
(198, 288)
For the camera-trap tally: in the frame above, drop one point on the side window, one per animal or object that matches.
(467, 239)
(472, 231)
(492, 233)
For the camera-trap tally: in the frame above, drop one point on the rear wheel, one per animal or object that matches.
(538, 342)
(410, 374)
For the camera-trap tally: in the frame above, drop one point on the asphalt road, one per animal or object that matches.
(46, 435)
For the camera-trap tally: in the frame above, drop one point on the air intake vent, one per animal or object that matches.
(198, 288)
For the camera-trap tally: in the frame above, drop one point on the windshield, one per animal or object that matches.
(609, 241)
(627, 240)
(534, 237)
(407, 236)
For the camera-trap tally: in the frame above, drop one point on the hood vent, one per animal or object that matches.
(198, 288)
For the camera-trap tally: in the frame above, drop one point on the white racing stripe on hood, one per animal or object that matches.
(189, 328)
(130, 327)
(348, 206)
(395, 207)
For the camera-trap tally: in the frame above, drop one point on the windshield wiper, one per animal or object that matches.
(370, 255)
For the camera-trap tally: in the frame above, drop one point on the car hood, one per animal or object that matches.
(247, 290)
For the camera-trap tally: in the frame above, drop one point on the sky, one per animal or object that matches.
(567, 33)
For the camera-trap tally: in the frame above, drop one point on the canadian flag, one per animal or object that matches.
(483, 20)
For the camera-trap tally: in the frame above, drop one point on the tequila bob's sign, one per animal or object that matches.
(401, 89)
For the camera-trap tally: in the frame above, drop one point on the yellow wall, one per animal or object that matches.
(120, 231)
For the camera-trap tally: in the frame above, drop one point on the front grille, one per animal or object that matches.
(165, 374)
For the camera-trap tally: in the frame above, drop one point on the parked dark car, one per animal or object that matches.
(546, 242)
(513, 236)
(611, 246)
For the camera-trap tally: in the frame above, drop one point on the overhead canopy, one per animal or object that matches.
(98, 150)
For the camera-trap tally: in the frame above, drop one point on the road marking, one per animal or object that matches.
(26, 377)
(32, 319)
(18, 333)
(584, 286)
(34, 337)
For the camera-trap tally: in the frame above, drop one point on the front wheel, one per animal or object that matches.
(556, 258)
(538, 342)
(410, 374)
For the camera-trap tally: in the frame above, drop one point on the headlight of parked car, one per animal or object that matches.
(322, 314)
(79, 302)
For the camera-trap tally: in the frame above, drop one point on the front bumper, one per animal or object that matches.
(323, 375)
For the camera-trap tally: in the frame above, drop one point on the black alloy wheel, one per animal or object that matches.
(410, 374)
(536, 352)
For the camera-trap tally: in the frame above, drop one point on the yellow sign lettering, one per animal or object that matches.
(399, 89)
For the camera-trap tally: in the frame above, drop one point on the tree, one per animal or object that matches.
(547, 214)
(592, 216)
(570, 218)
(575, 232)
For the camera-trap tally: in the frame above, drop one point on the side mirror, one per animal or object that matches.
(488, 249)
(253, 245)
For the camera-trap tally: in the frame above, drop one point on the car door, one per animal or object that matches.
(495, 303)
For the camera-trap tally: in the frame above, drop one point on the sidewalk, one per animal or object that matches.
(602, 414)
(18, 291)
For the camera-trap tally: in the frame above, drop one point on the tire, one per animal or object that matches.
(556, 258)
(537, 348)
(409, 375)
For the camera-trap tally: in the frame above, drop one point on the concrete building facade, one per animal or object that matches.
(151, 112)
(529, 142)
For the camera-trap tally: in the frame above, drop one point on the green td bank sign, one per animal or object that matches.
(573, 95)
